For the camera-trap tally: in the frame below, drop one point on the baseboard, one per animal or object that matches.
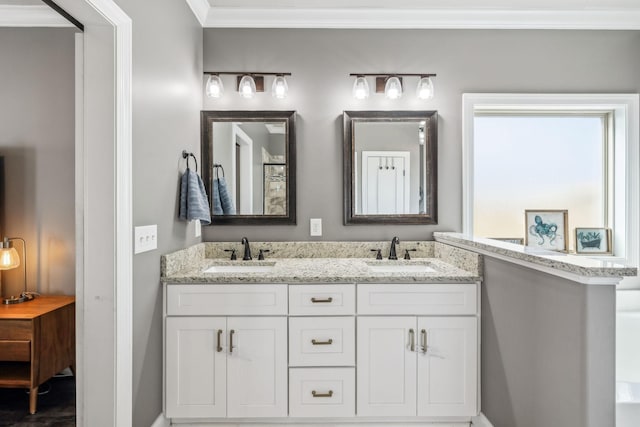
(161, 421)
(481, 421)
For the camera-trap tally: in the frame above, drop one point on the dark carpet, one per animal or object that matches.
(57, 408)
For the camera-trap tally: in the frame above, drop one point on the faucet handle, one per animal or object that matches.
(261, 254)
(233, 254)
(378, 254)
(406, 253)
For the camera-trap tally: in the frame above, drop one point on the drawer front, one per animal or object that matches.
(322, 392)
(15, 329)
(15, 351)
(197, 300)
(319, 300)
(322, 341)
(436, 299)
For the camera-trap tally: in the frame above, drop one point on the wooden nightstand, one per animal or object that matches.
(37, 340)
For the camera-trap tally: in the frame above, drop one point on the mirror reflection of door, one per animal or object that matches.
(385, 182)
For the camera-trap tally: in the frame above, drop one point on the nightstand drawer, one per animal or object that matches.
(322, 392)
(15, 351)
(15, 329)
(322, 341)
(322, 300)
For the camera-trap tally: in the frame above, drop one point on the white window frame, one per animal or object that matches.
(624, 109)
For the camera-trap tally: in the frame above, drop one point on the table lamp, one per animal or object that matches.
(9, 260)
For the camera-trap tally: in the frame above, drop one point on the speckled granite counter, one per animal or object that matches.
(340, 262)
(579, 268)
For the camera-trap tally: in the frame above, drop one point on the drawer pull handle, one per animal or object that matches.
(231, 332)
(423, 334)
(316, 300)
(328, 342)
(219, 347)
(316, 394)
(412, 342)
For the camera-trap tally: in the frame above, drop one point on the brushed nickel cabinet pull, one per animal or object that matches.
(423, 334)
(219, 347)
(412, 342)
(316, 394)
(328, 342)
(316, 300)
(231, 332)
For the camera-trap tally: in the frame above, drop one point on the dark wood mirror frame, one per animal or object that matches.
(430, 163)
(289, 117)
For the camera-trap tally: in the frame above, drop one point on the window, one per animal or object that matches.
(533, 151)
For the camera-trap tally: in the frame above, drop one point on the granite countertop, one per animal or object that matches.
(573, 264)
(320, 270)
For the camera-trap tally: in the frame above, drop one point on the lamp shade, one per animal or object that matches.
(425, 88)
(9, 258)
(360, 88)
(280, 88)
(215, 88)
(247, 87)
(393, 88)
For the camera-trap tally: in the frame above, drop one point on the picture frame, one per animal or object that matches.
(547, 229)
(593, 241)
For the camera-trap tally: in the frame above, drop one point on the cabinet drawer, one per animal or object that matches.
(15, 329)
(321, 341)
(436, 299)
(322, 392)
(318, 300)
(15, 351)
(195, 300)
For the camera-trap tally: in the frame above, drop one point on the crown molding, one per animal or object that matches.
(31, 16)
(200, 8)
(614, 19)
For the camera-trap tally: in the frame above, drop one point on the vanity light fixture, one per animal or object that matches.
(248, 83)
(391, 84)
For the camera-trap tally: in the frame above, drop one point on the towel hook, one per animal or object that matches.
(217, 166)
(186, 155)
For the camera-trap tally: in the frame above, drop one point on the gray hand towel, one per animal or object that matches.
(193, 198)
(225, 198)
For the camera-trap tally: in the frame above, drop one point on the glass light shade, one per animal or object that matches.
(9, 258)
(360, 88)
(247, 87)
(425, 88)
(279, 89)
(393, 88)
(214, 88)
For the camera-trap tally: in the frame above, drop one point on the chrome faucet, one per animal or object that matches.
(247, 249)
(392, 252)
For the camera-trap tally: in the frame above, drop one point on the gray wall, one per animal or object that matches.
(548, 349)
(167, 78)
(37, 140)
(465, 61)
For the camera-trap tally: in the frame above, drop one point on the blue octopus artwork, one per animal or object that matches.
(543, 230)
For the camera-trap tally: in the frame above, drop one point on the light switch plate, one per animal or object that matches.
(145, 238)
(315, 226)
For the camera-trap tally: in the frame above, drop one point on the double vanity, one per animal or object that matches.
(322, 332)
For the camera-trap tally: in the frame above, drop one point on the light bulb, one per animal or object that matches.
(279, 89)
(247, 87)
(360, 88)
(425, 88)
(9, 258)
(393, 88)
(214, 88)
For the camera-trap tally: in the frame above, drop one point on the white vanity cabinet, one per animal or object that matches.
(411, 363)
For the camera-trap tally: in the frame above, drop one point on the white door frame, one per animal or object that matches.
(246, 165)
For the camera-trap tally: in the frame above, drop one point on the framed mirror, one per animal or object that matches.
(390, 167)
(249, 166)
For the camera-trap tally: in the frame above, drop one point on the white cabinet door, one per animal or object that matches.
(257, 367)
(448, 369)
(195, 369)
(386, 374)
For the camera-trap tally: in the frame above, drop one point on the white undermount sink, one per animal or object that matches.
(400, 268)
(240, 268)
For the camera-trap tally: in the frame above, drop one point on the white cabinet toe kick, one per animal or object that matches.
(379, 354)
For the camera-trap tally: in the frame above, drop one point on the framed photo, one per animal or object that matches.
(593, 241)
(547, 229)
